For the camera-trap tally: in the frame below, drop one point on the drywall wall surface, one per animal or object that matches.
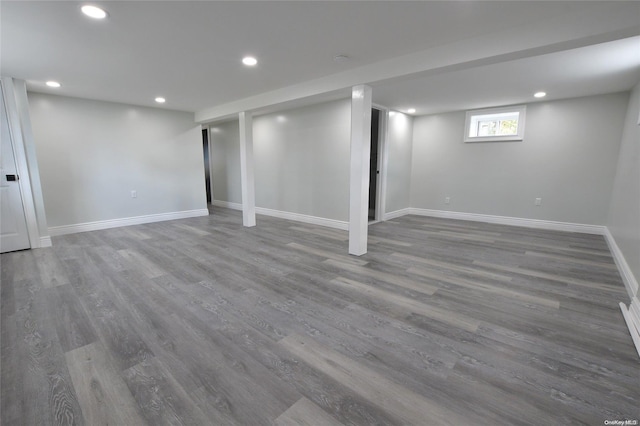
(568, 159)
(225, 161)
(624, 212)
(399, 142)
(93, 154)
(302, 160)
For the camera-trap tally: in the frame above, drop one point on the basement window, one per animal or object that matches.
(495, 124)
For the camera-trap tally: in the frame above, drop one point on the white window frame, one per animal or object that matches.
(520, 109)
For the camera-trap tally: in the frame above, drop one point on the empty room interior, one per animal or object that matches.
(320, 213)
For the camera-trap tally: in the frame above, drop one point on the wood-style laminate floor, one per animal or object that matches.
(204, 322)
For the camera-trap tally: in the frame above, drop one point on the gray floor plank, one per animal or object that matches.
(305, 413)
(52, 273)
(160, 398)
(11, 369)
(71, 322)
(101, 388)
(46, 390)
(407, 406)
(203, 321)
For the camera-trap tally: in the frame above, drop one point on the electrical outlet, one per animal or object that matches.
(538, 201)
(134, 194)
(447, 200)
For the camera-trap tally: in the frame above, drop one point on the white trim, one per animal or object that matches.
(227, 204)
(381, 178)
(209, 165)
(45, 242)
(297, 217)
(397, 213)
(628, 278)
(632, 318)
(22, 168)
(22, 103)
(127, 221)
(512, 221)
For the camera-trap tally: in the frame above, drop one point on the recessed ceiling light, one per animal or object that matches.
(341, 58)
(411, 110)
(160, 100)
(249, 61)
(93, 12)
(539, 94)
(52, 83)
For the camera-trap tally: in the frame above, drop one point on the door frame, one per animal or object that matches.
(208, 169)
(381, 178)
(19, 238)
(36, 240)
(208, 126)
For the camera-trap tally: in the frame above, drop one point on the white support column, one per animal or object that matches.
(359, 180)
(246, 169)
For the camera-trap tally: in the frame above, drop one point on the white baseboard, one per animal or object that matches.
(227, 204)
(127, 221)
(631, 314)
(314, 220)
(628, 278)
(297, 217)
(513, 221)
(397, 213)
(632, 318)
(45, 242)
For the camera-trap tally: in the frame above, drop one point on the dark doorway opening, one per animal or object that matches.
(207, 168)
(373, 163)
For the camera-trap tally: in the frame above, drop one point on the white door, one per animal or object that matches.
(13, 225)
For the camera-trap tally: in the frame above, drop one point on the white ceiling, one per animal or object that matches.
(190, 51)
(596, 69)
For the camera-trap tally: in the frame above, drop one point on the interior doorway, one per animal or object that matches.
(207, 168)
(374, 166)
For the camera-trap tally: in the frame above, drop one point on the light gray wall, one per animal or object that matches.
(399, 143)
(302, 160)
(92, 154)
(225, 161)
(568, 158)
(624, 212)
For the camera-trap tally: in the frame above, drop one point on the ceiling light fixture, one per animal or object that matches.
(249, 61)
(341, 58)
(160, 100)
(411, 110)
(93, 12)
(52, 83)
(539, 95)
